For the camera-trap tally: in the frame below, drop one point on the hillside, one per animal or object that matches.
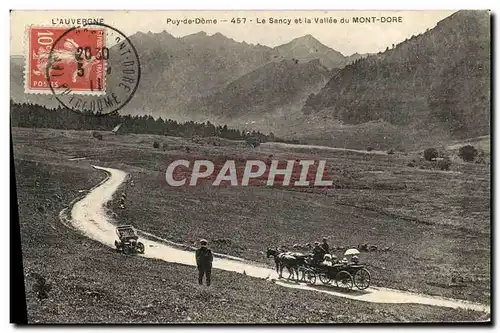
(438, 79)
(174, 70)
(262, 92)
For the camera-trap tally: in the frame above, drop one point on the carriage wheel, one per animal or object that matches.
(344, 280)
(362, 279)
(324, 278)
(310, 276)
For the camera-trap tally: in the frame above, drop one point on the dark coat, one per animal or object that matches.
(204, 257)
(318, 253)
(326, 247)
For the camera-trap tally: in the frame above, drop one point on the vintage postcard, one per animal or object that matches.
(251, 166)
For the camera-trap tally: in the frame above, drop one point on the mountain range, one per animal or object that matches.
(438, 81)
(439, 77)
(175, 70)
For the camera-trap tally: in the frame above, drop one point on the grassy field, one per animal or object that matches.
(436, 224)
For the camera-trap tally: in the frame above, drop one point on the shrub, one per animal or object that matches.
(390, 151)
(253, 141)
(156, 144)
(467, 153)
(430, 154)
(97, 135)
(369, 148)
(412, 164)
(482, 158)
(444, 164)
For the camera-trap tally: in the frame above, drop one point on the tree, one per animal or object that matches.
(37, 116)
(430, 154)
(467, 153)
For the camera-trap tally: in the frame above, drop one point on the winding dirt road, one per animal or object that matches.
(89, 217)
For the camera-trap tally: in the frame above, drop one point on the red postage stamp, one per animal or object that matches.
(62, 58)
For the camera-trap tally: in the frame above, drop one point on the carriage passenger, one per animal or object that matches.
(327, 260)
(334, 259)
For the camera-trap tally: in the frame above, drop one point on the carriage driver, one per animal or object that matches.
(325, 245)
(318, 253)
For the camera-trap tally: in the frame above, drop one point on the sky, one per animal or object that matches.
(347, 38)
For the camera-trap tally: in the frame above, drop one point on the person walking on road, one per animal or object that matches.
(204, 260)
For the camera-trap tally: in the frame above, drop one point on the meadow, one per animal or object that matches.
(435, 226)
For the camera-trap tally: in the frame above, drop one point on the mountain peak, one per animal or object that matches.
(218, 35)
(307, 39)
(307, 48)
(197, 34)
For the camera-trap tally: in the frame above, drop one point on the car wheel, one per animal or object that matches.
(140, 247)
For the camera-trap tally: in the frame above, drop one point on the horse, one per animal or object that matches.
(291, 260)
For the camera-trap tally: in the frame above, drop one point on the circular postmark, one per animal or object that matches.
(93, 69)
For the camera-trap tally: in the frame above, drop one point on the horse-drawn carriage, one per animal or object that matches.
(346, 274)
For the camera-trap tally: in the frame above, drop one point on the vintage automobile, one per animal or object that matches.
(128, 242)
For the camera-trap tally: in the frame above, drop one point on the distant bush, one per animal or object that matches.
(444, 164)
(412, 164)
(430, 154)
(390, 151)
(467, 153)
(97, 135)
(253, 141)
(369, 148)
(156, 144)
(482, 158)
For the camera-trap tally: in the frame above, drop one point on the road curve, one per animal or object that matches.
(89, 217)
